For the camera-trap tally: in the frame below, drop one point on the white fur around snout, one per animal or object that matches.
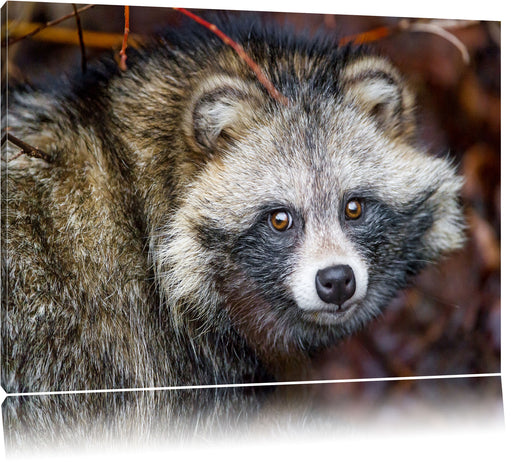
(303, 284)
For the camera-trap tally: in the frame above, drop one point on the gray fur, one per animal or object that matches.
(141, 255)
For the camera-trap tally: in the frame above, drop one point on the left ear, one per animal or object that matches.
(375, 86)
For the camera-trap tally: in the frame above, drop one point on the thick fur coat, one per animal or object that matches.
(178, 233)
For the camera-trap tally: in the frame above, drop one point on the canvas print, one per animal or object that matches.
(200, 197)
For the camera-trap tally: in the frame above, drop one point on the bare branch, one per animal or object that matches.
(438, 30)
(81, 39)
(26, 148)
(437, 27)
(11, 41)
(240, 51)
(369, 36)
(68, 36)
(122, 53)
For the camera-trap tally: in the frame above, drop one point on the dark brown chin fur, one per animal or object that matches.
(256, 320)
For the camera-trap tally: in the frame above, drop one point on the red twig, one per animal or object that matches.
(122, 53)
(240, 51)
(368, 36)
(44, 26)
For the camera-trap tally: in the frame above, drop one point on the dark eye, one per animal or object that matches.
(280, 220)
(353, 209)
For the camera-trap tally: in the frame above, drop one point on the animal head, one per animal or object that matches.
(305, 218)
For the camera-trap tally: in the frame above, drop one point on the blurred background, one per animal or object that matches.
(449, 321)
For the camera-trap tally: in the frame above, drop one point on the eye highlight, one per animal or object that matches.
(353, 209)
(280, 220)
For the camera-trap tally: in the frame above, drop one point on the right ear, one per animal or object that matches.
(222, 108)
(374, 85)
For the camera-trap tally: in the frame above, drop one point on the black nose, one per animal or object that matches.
(335, 284)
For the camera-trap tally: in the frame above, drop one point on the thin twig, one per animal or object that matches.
(26, 148)
(122, 53)
(11, 41)
(240, 51)
(438, 30)
(434, 27)
(371, 35)
(68, 36)
(81, 39)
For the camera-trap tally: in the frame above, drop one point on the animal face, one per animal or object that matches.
(309, 216)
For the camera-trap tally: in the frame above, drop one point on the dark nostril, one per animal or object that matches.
(335, 284)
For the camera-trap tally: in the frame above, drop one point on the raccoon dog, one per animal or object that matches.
(191, 229)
